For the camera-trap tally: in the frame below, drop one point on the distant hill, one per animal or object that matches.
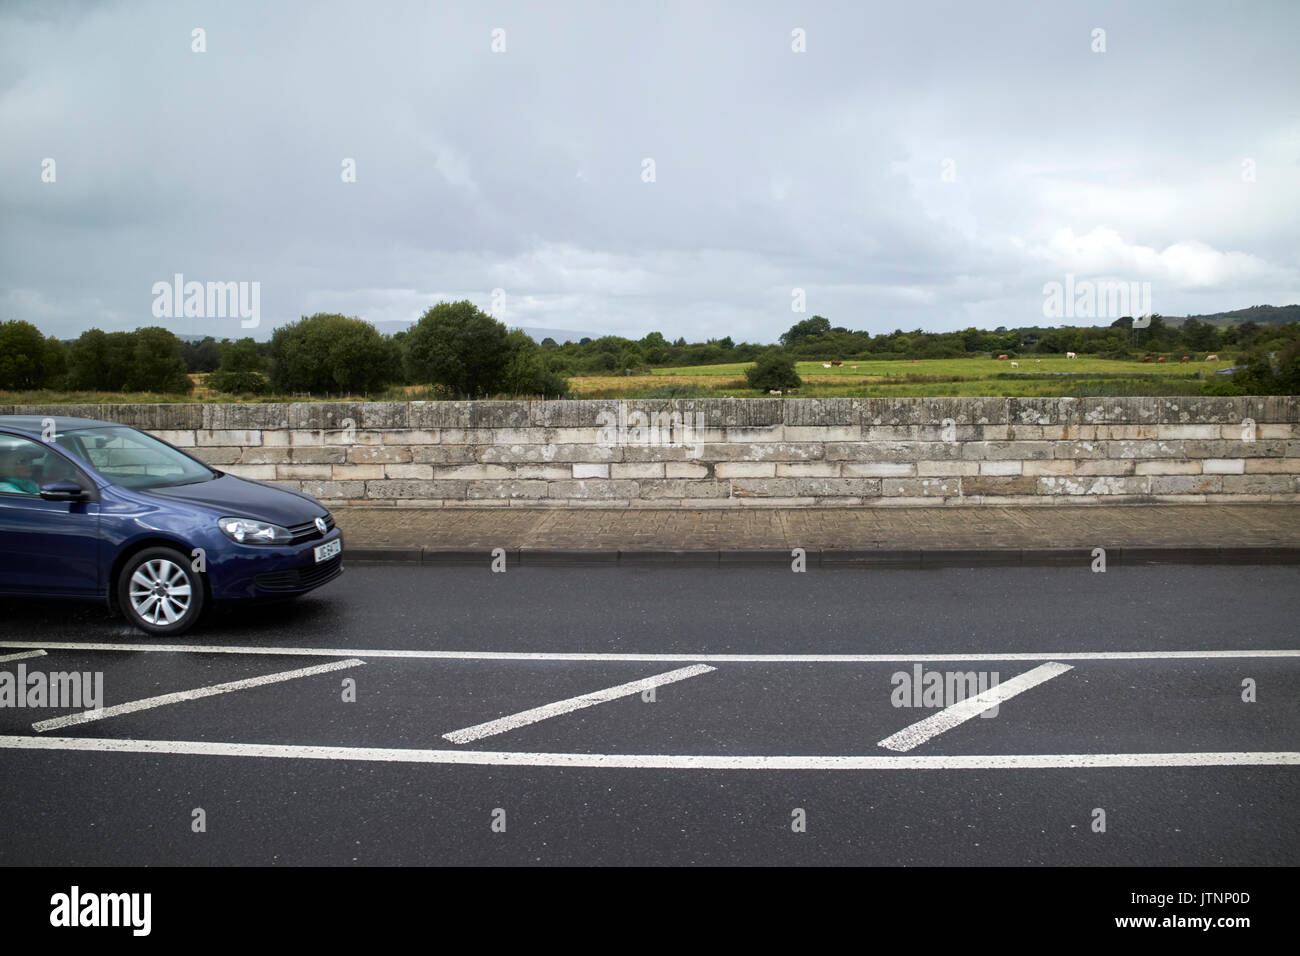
(1262, 314)
(560, 335)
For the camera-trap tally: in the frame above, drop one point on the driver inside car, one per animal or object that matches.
(16, 471)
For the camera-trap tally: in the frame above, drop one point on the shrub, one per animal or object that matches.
(773, 370)
(238, 383)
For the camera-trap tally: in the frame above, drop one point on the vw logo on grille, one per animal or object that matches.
(320, 525)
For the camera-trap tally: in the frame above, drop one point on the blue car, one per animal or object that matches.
(92, 510)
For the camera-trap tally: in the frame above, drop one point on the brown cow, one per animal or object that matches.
(1001, 357)
(1146, 358)
(1161, 359)
(1187, 358)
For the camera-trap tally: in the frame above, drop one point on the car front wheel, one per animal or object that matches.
(159, 592)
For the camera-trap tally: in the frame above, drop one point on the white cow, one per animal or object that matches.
(1015, 365)
(1071, 354)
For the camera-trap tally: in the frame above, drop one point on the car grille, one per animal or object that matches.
(305, 532)
(298, 579)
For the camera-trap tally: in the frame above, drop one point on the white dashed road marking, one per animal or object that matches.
(918, 733)
(86, 716)
(524, 718)
(659, 761)
(21, 657)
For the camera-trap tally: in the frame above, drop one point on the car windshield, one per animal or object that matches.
(133, 459)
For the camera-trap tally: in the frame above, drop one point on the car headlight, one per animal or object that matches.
(248, 531)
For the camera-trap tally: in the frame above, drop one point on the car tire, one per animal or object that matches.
(160, 592)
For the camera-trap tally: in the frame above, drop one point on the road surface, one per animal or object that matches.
(617, 715)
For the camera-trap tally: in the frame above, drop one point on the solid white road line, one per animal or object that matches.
(21, 657)
(918, 733)
(86, 716)
(656, 657)
(659, 761)
(526, 717)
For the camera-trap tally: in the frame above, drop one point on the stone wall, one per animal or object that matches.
(727, 453)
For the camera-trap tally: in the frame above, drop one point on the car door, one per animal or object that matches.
(46, 547)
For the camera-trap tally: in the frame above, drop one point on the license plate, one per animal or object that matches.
(327, 551)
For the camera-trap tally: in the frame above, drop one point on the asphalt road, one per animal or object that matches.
(791, 691)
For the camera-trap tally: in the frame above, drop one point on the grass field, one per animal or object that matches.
(1049, 375)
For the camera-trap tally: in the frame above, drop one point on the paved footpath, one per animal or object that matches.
(1266, 534)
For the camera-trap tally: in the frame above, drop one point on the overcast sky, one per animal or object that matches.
(928, 165)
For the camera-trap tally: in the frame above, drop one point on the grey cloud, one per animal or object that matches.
(522, 170)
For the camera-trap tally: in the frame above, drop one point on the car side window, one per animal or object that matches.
(119, 455)
(26, 465)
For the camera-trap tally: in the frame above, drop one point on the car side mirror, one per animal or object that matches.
(63, 491)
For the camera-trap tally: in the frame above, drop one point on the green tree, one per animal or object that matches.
(806, 329)
(655, 347)
(1155, 336)
(242, 355)
(602, 362)
(119, 356)
(631, 358)
(527, 369)
(773, 370)
(1277, 373)
(1200, 336)
(56, 363)
(157, 365)
(327, 353)
(202, 356)
(87, 361)
(100, 361)
(457, 345)
(242, 370)
(27, 358)
(1288, 369)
